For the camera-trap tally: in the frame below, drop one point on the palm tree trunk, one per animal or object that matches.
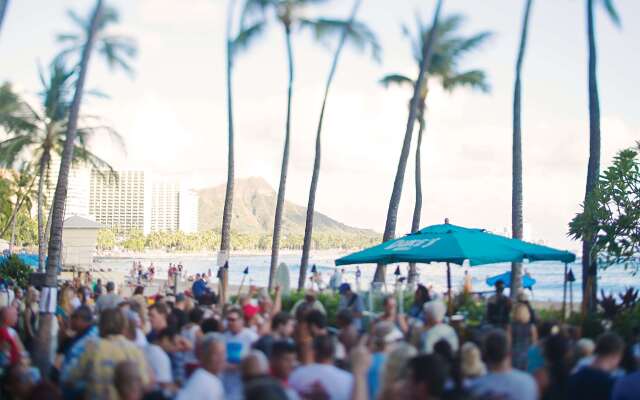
(417, 209)
(589, 260)
(277, 223)
(225, 237)
(4, 4)
(42, 247)
(396, 193)
(46, 340)
(516, 188)
(12, 241)
(308, 228)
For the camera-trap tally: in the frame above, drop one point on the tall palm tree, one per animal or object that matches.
(21, 182)
(40, 134)
(116, 49)
(4, 4)
(448, 50)
(396, 193)
(516, 187)
(360, 35)
(589, 260)
(289, 14)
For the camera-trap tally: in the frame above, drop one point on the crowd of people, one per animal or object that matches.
(188, 347)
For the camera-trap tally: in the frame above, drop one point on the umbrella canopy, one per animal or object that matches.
(527, 281)
(455, 244)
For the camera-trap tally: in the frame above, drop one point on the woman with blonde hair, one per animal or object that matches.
(471, 365)
(30, 318)
(523, 335)
(396, 371)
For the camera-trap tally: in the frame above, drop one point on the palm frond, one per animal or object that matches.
(474, 79)
(612, 12)
(247, 36)
(396, 79)
(78, 20)
(12, 148)
(86, 133)
(325, 30)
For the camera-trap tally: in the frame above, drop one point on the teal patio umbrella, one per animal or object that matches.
(455, 244)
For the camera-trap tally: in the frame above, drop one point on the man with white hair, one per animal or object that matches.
(205, 382)
(435, 330)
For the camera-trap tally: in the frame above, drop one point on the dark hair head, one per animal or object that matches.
(444, 350)
(138, 290)
(112, 322)
(316, 318)
(264, 388)
(323, 348)
(344, 317)
(111, 286)
(422, 294)
(195, 315)
(281, 318)
(431, 370)
(282, 347)
(496, 347)
(608, 344)
(556, 348)
(170, 332)
(83, 313)
(210, 325)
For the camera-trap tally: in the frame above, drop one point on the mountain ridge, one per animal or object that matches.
(254, 211)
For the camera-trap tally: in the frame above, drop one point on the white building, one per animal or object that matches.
(77, 191)
(137, 200)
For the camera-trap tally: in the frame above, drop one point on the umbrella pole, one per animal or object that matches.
(449, 288)
(570, 298)
(564, 294)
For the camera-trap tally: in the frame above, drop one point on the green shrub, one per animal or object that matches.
(13, 268)
(626, 322)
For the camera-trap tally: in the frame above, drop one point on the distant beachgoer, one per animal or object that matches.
(499, 307)
(353, 302)
(467, 286)
(523, 335)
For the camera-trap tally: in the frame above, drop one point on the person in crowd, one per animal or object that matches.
(336, 383)
(138, 297)
(353, 302)
(192, 330)
(30, 318)
(471, 364)
(427, 376)
(128, 382)
(502, 381)
(390, 313)
(554, 375)
(584, 349)
(627, 387)
(179, 311)
(348, 334)
(199, 287)
(204, 383)
(158, 320)
(254, 365)
(97, 363)
(239, 339)
(82, 323)
(12, 351)
(17, 382)
(395, 372)
(281, 363)
(64, 310)
(381, 339)
(522, 298)
(420, 296)
(523, 335)
(595, 380)
(178, 349)
(282, 326)
(109, 300)
(435, 329)
(498, 307)
(309, 302)
(211, 324)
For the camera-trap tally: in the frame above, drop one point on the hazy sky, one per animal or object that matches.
(173, 116)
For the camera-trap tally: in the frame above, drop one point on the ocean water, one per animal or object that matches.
(549, 275)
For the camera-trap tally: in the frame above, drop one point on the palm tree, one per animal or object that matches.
(289, 15)
(516, 188)
(93, 34)
(589, 260)
(42, 135)
(4, 4)
(360, 35)
(396, 193)
(21, 182)
(448, 49)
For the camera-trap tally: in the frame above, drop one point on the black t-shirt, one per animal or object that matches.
(590, 384)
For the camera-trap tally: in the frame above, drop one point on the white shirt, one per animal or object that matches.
(437, 333)
(202, 385)
(336, 382)
(159, 362)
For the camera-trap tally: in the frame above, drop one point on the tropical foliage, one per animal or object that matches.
(610, 217)
(14, 269)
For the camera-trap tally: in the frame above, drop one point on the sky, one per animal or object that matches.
(172, 111)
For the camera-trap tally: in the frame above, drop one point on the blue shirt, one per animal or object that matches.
(627, 388)
(375, 374)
